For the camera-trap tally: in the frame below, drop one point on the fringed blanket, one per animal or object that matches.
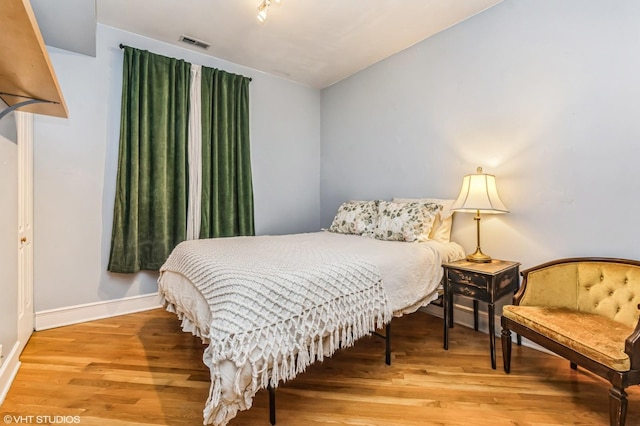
(277, 305)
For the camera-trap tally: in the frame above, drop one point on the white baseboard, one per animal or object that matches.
(97, 310)
(8, 370)
(463, 315)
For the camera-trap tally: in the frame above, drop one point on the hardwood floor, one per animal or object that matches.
(141, 369)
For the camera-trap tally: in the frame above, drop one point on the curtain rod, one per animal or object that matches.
(122, 46)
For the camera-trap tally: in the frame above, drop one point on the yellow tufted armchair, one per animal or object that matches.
(585, 310)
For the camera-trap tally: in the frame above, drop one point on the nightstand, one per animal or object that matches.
(484, 282)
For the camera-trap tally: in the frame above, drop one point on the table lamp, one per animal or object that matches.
(479, 195)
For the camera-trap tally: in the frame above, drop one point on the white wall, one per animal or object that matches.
(8, 235)
(541, 93)
(76, 161)
(544, 94)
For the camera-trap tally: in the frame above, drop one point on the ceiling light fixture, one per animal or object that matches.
(263, 9)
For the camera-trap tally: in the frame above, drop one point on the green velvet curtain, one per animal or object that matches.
(151, 189)
(227, 193)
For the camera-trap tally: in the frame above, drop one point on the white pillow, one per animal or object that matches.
(441, 230)
(355, 217)
(405, 221)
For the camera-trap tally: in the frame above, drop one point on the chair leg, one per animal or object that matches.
(506, 349)
(617, 406)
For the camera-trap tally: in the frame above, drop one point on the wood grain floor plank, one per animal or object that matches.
(141, 369)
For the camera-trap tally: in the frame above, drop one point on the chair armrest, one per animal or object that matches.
(632, 347)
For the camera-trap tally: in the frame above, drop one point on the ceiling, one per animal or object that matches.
(313, 42)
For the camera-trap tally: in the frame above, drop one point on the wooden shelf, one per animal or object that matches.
(25, 68)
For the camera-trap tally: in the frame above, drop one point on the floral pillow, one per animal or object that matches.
(405, 221)
(355, 217)
(441, 230)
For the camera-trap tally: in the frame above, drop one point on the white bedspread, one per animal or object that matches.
(279, 282)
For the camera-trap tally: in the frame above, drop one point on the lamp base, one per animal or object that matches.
(478, 257)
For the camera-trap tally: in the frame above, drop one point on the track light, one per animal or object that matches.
(263, 9)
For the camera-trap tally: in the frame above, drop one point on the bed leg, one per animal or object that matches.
(387, 339)
(272, 404)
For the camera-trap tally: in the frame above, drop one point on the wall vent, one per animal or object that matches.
(194, 42)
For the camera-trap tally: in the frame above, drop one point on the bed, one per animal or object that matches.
(268, 306)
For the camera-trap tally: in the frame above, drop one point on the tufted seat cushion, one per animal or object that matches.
(594, 336)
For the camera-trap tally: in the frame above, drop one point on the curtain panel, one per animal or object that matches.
(151, 187)
(227, 192)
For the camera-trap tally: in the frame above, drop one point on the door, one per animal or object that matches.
(24, 125)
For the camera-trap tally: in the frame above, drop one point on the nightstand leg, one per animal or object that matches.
(451, 321)
(492, 334)
(445, 319)
(475, 315)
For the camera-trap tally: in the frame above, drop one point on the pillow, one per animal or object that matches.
(405, 221)
(441, 230)
(355, 217)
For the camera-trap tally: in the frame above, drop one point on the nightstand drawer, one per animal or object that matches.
(467, 279)
(477, 293)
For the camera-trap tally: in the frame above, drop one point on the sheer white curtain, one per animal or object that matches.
(195, 154)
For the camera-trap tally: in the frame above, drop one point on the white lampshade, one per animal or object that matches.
(479, 194)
